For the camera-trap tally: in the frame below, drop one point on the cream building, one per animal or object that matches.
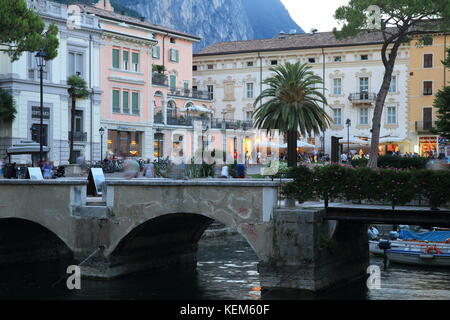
(352, 70)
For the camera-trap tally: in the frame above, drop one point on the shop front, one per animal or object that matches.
(123, 144)
(428, 146)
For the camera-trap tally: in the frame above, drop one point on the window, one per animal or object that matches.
(364, 85)
(428, 88)
(391, 115)
(115, 58)
(249, 63)
(249, 90)
(135, 103)
(33, 70)
(156, 52)
(364, 57)
(172, 81)
(210, 89)
(249, 115)
(393, 86)
(194, 68)
(364, 116)
(78, 121)
(126, 59)
(174, 55)
(428, 61)
(135, 61)
(186, 87)
(312, 60)
(337, 59)
(158, 145)
(75, 63)
(210, 66)
(116, 101)
(273, 62)
(337, 86)
(172, 40)
(337, 116)
(125, 102)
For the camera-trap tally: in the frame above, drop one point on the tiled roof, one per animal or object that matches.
(119, 17)
(291, 42)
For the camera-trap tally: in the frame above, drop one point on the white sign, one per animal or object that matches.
(35, 174)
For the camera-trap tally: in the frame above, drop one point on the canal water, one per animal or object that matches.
(227, 270)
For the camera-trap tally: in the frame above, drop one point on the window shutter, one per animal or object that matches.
(177, 56)
(173, 81)
(116, 63)
(125, 104)
(135, 58)
(116, 102)
(135, 103)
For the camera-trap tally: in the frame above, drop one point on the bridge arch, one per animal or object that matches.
(165, 241)
(27, 241)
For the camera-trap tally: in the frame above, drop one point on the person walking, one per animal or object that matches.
(149, 169)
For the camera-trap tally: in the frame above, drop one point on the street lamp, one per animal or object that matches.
(102, 132)
(41, 62)
(348, 122)
(203, 142)
(158, 135)
(224, 127)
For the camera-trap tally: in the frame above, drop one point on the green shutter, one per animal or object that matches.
(135, 58)
(116, 63)
(177, 56)
(135, 103)
(158, 52)
(116, 101)
(125, 104)
(173, 81)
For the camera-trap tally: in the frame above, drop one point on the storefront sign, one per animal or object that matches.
(36, 112)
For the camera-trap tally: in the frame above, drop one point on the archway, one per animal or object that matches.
(25, 242)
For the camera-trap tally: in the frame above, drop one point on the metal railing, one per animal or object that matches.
(362, 97)
(79, 136)
(159, 79)
(425, 126)
(188, 93)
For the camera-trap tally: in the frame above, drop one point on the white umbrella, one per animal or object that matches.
(300, 144)
(196, 108)
(26, 147)
(269, 144)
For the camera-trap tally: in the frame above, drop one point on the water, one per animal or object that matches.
(226, 271)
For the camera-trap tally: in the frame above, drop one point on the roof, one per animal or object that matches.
(134, 21)
(291, 42)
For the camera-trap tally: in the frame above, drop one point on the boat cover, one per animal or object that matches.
(432, 236)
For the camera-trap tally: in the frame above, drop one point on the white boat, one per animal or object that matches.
(419, 257)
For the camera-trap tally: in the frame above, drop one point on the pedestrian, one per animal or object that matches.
(258, 157)
(48, 169)
(224, 172)
(149, 169)
(1, 168)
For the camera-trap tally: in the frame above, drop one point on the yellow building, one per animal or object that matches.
(427, 76)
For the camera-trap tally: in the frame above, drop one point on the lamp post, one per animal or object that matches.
(348, 122)
(158, 134)
(203, 142)
(41, 62)
(102, 132)
(224, 127)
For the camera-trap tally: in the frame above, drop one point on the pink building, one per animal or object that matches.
(148, 102)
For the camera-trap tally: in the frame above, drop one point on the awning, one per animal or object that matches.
(301, 144)
(195, 108)
(269, 144)
(388, 140)
(26, 147)
(353, 141)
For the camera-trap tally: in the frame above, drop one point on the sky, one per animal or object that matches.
(318, 16)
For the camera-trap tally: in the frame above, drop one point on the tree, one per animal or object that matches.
(22, 30)
(77, 90)
(442, 104)
(399, 20)
(7, 106)
(293, 104)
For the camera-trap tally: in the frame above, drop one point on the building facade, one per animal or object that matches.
(352, 71)
(77, 53)
(427, 76)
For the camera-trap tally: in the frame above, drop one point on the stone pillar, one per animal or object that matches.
(311, 254)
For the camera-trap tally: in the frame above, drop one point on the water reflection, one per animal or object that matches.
(227, 270)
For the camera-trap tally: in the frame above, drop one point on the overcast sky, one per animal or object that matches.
(314, 14)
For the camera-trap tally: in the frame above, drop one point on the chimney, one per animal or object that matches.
(105, 5)
(142, 19)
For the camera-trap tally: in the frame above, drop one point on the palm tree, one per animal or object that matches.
(7, 106)
(77, 90)
(292, 104)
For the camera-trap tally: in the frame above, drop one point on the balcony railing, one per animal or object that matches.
(79, 136)
(188, 93)
(159, 79)
(425, 126)
(179, 121)
(231, 124)
(362, 97)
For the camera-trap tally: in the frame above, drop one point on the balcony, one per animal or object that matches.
(363, 98)
(158, 118)
(231, 124)
(159, 79)
(179, 121)
(79, 136)
(187, 93)
(425, 126)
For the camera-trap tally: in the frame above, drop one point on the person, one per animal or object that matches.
(373, 233)
(344, 158)
(224, 173)
(258, 157)
(131, 168)
(48, 170)
(1, 168)
(149, 170)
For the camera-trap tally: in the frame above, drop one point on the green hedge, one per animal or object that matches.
(395, 162)
(397, 187)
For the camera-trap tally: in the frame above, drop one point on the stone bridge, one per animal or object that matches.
(145, 224)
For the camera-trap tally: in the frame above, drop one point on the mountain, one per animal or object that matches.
(212, 20)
